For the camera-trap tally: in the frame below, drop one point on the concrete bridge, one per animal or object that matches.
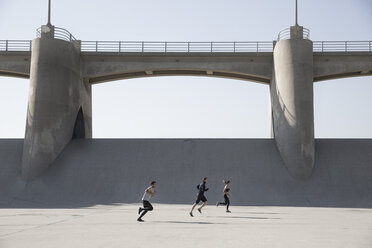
(62, 70)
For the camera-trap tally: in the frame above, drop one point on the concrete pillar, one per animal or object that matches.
(59, 105)
(292, 103)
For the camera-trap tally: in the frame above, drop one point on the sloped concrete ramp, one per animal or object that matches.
(111, 171)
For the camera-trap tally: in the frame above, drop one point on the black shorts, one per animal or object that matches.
(227, 200)
(201, 198)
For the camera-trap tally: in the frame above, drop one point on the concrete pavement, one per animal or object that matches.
(171, 226)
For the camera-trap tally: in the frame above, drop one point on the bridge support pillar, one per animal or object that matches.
(59, 105)
(292, 105)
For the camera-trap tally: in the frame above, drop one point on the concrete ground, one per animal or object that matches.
(171, 226)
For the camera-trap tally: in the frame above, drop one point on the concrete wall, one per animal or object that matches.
(293, 105)
(91, 172)
(55, 97)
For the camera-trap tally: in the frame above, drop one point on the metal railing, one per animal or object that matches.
(172, 47)
(285, 34)
(16, 45)
(59, 33)
(342, 46)
(189, 47)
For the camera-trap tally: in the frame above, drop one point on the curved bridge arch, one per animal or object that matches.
(104, 67)
(351, 74)
(14, 74)
(15, 64)
(176, 72)
(328, 66)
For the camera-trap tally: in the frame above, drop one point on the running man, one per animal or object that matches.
(149, 193)
(201, 197)
(226, 195)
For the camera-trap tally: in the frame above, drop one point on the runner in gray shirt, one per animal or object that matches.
(149, 193)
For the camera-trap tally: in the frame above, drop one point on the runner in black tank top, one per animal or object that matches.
(226, 195)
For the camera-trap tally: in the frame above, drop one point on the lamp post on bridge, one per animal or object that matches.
(49, 3)
(296, 31)
(48, 29)
(296, 23)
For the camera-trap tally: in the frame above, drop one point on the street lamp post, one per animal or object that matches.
(49, 13)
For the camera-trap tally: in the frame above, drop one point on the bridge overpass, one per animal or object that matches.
(62, 70)
(332, 59)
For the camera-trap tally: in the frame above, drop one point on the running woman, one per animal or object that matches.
(149, 193)
(201, 187)
(226, 196)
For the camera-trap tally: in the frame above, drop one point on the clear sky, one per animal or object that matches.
(194, 107)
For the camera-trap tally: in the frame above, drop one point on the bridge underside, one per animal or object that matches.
(343, 75)
(105, 67)
(341, 65)
(15, 64)
(157, 73)
(14, 74)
